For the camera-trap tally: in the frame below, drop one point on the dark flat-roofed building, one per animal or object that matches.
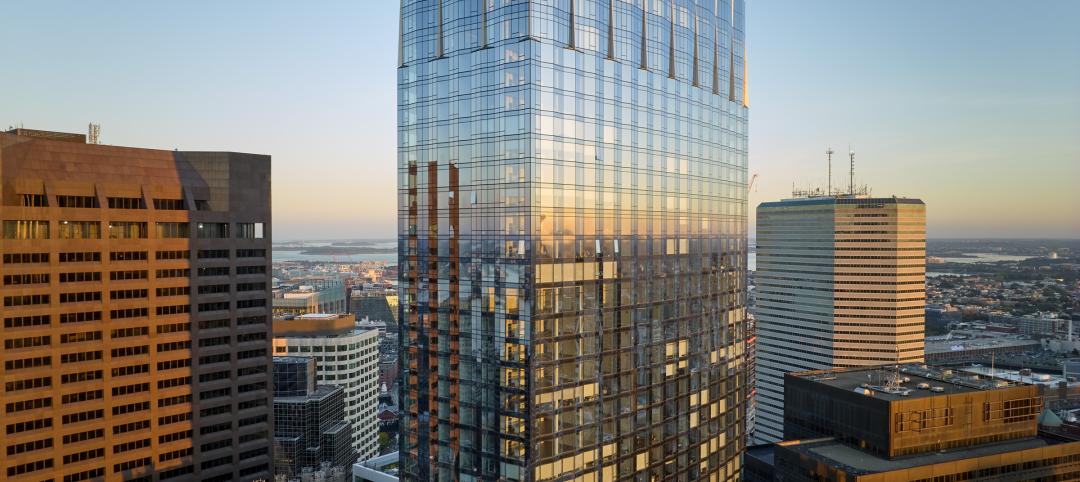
(374, 307)
(758, 464)
(309, 420)
(903, 410)
(1028, 459)
(911, 423)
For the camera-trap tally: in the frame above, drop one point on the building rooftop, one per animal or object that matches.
(321, 392)
(841, 199)
(1016, 376)
(49, 135)
(319, 316)
(961, 344)
(315, 324)
(378, 469)
(764, 453)
(856, 462)
(891, 382)
(294, 360)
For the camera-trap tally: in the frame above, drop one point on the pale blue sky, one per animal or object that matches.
(972, 105)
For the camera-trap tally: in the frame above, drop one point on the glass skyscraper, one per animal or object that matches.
(572, 220)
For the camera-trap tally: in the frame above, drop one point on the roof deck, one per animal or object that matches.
(891, 382)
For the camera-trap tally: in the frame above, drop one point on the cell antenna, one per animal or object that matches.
(828, 154)
(93, 134)
(851, 171)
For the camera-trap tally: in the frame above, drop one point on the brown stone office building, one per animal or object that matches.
(136, 332)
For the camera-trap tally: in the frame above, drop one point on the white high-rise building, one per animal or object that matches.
(346, 356)
(840, 282)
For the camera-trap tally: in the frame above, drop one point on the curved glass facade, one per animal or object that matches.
(572, 220)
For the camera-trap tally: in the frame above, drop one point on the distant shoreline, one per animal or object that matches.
(339, 250)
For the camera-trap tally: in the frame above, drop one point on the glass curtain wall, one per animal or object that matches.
(572, 221)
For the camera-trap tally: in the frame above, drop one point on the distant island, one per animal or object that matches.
(340, 246)
(335, 242)
(340, 250)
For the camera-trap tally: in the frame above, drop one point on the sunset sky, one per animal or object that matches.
(973, 106)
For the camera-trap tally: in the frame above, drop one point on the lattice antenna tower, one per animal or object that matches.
(93, 134)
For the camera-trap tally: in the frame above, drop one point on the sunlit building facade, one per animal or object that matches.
(572, 219)
(840, 282)
(136, 313)
(310, 295)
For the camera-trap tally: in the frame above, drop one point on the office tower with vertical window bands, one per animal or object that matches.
(136, 338)
(840, 283)
(572, 202)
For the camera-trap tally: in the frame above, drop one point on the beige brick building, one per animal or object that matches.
(136, 331)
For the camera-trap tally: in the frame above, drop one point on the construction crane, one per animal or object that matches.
(750, 185)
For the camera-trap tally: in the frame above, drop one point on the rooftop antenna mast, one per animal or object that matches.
(93, 135)
(893, 381)
(851, 171)
(828, 154)
(992, 365)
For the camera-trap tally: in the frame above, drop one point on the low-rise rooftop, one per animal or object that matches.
(1033, 378)
(1002, 342)
(764, 453)
(315, 324)
(48, 135)
(856, 462)
(900, 382)
(321, 392)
